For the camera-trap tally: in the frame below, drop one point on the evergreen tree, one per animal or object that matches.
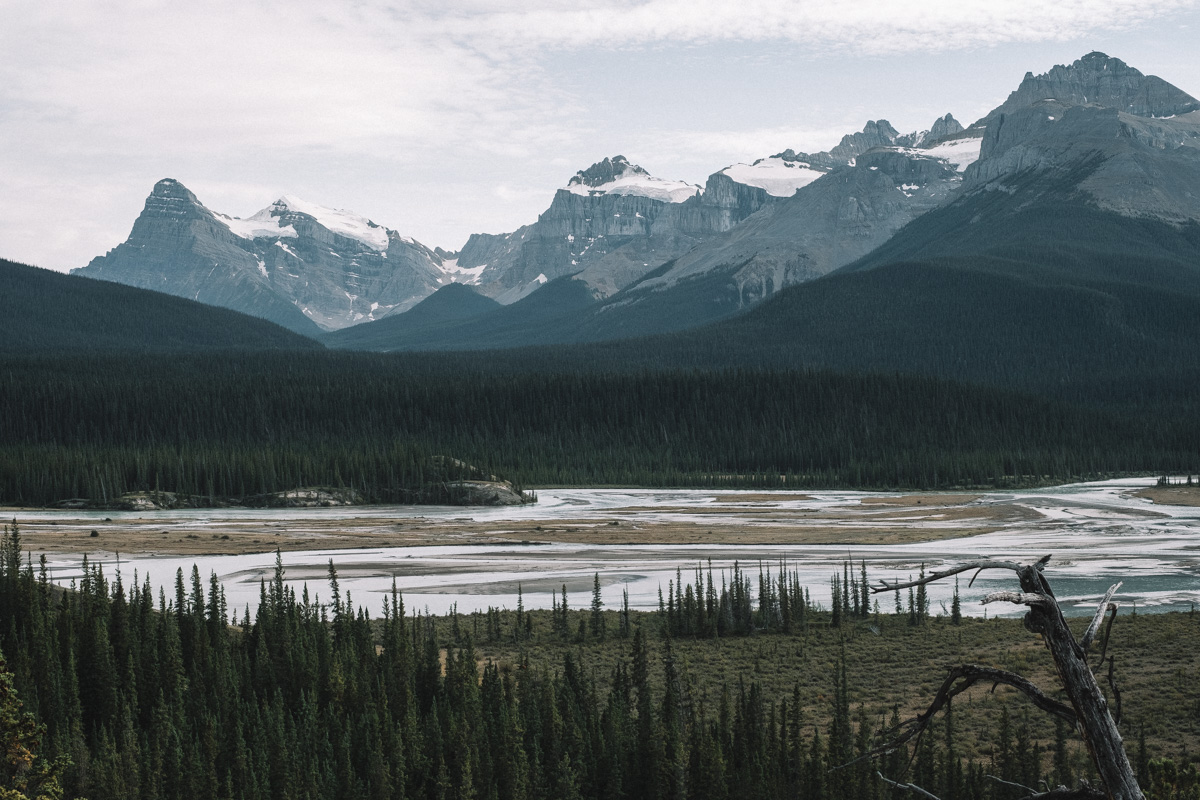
(922, 599)
(596, 622)
(955, 606)
(24, 772)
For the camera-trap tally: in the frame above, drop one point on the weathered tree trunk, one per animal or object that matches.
(1093, 720)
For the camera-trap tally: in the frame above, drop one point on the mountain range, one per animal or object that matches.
(313, 269)
(1047, 189)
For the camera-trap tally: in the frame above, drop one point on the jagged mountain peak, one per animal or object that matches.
(301, 264)
(169, 187)
(876, 133)
(618, 176)
(943, 127)
(606, 171)
(1099, 79)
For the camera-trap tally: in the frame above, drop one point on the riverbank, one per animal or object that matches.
(1171, 495)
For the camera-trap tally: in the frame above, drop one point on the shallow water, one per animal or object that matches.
(1096, 534)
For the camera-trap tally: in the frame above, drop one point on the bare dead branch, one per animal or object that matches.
(1108, 631)
(1020, 598)
(908, 787)
(1012, 566)
(1090, 634)
(1083, 792)
(958, 680)
(1012, 784)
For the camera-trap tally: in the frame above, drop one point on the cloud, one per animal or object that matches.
(398, 109)
(862, 26)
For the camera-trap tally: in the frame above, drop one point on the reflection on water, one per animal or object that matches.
(1096, 533)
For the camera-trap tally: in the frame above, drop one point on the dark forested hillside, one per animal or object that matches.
(456, 321)
(452, 306)
(1059, 299)
(47, 312)
(222, 425)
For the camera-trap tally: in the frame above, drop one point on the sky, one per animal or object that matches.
(444, 119)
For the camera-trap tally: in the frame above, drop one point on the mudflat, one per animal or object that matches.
(743, 519)
(1171, 495)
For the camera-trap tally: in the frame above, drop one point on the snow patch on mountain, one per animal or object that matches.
(617, 176)
(288, 250)
(456, 274)
(661, 189)
(339, 221)
(960, 153)
(260, 226)
(774, 175)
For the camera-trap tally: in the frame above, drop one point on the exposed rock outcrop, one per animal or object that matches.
(1126, 142)
(612, 223)
(825, 225)
(486, 493)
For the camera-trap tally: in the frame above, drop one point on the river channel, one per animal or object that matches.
(1096, 533)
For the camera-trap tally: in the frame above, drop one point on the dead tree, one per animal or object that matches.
(1088, 709)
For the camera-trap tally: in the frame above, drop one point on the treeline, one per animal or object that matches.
(243, 424)
(182, 697)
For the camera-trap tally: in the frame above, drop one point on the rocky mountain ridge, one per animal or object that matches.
(675, 254)
(1101, 80)
(831, 209)
(304, 266)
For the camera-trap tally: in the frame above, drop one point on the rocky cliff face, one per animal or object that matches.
(825, 225)
(1121, 140)
(818, 211)
(611, 223)
(614, 223)
(942, 128)
(1100, 80)
(304, 266)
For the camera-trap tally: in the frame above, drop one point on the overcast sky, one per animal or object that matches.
(443, 123)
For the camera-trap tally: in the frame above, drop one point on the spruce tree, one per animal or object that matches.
(596, 622)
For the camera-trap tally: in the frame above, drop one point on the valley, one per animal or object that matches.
(462, 513)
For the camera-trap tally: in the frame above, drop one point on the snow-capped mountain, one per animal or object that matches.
(782, 174)
(1085, 146)
(613, 221)
(616, 176)
(302, 265)
(655, 254)
(1082, 141)
(826, 209)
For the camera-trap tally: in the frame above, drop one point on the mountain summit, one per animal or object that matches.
(1101, 80)
(302, 265)
(617, 176)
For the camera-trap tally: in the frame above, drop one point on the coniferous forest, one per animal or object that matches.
(140, 696)
(244, 424)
